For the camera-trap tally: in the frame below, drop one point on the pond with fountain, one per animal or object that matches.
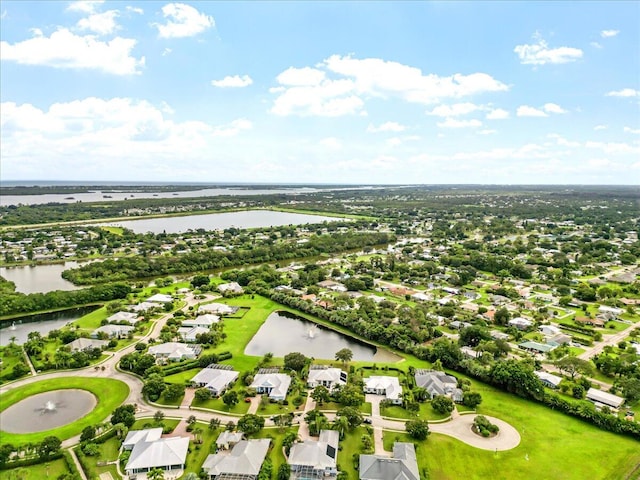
(47, 410)
(285, 332)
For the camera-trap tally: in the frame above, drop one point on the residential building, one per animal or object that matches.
(215, 378)
(217, 309)
(536, 347)
(327, 377)
(129, 317)
(232, 287)
(549, 329)
(315, 459)
(384, 385)
(243, 462)
(190, 334)
(82, 344)
(521, 323)
(438, 383)
(144, 307)
(205, 321)
(149, 452)
(135, 436)
(112, 331)
(549, 380)
(227, 439)
(173, 352)
(402, 465)
(273, 384)
(160, 298)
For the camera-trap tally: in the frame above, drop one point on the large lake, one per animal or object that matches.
(284, 332)
(39, 278)
(219, 221)
(42, 322)
(99, 195)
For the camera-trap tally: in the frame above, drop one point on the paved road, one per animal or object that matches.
(609, 340)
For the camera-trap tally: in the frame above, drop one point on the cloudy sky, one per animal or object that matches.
(338, 92)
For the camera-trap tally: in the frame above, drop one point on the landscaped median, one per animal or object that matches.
(109, 394)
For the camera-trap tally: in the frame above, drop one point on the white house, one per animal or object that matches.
(243, 462)
(217, 308)
(275, 385)
(129, 317)
(190, 334)
(216, 380)
(149, 452)
(520, 323)
(421, 297)
(172, 352)
(144, 306)
(611, 310)
(384, 385)
(81, 344)
(550, 380)
(327, 377)
(135, 436)
(227, 439)
(315, 459)
(550, 330)
(232, 287)
(207, 321)
(112, 331)
(160, 298)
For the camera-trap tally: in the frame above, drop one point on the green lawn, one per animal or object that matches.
(199, 452)
(426, 412)
(92, 320)
(144, 423)
(9, 356)
(275, 448)
(239, 408)
(558, 446)
(182, 377)
(108, 452)
(110, 393)
(36, 472)
(351, 445)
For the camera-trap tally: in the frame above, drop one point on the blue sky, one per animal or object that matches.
(322, 92)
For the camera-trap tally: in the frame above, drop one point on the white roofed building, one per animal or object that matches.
(384, 385)
(275, 385)
(243, 462)
(216, 380)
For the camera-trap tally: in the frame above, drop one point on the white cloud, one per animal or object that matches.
(100, 23)
(553, 108)
(635, 131)
(540, 53)
(625, 92)
(600, 127)
(166, 51)
(311, 91)
(95, 136)
(64, 49)
(609, 33)
(527, 111)
(331, 142)
(614, 148)
(453, 123)
(137, 10)
(183, 21)
(85, 6)
(595, 45)
(386, 127)
(235, 81)
(3, 15)
(497, 114)
(233, 129)
(36, 32)
(455, 110)
(301, 77)
(563, 141)
(487, 132)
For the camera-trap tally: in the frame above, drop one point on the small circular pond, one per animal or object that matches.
(48, 410)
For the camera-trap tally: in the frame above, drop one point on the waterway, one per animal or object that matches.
(218, 221)
(42, 322)
(284, 332)
(108, 196)
(39, 278)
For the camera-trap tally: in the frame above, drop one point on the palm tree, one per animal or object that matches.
(341, 424)
(344, 355)
(214, 423)
(197, 432)
(156, 474)
(13, 339)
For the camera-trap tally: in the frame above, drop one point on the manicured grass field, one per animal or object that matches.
(553, 445)
(108, 452)
(275, 448)
(199, 452)
(182, 377)
(92, 320)
(9, 356)
(351, 445)
(109, 392)
(426, 412)
(239, 408)
(41, 471)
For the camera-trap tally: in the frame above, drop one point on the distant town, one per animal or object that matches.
(306, 332)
